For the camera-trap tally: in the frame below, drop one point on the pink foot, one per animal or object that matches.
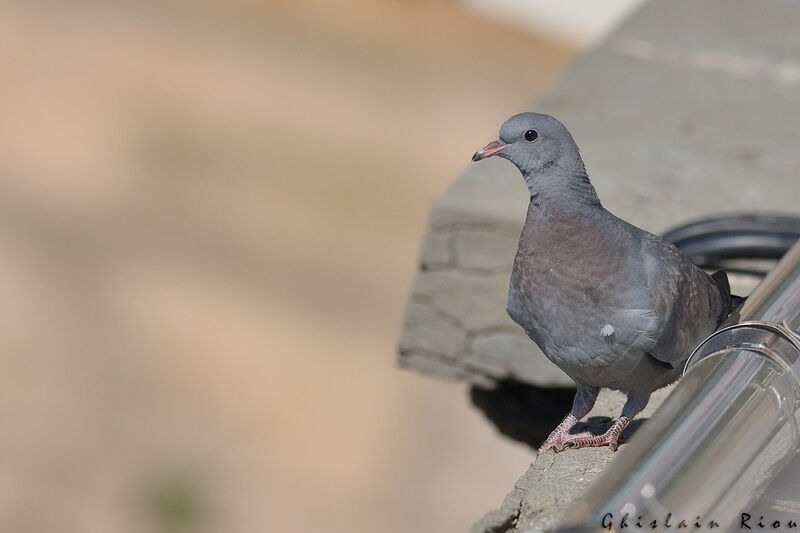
(610, 438)
(557, 437)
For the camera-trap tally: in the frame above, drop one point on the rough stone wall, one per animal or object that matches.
(456, 325)
(554, 480)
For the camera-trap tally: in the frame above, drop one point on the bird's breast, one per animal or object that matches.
(562, 292)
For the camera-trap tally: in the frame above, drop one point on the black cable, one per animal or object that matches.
(714, 242)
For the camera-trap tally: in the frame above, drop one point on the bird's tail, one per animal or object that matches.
(729, 301)
(736, 301)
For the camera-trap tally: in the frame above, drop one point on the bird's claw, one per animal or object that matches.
(558, 441)
(558, 435)
(611, 438)
(553, 441)
(546, 445)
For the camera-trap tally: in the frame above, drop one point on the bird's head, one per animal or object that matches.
(533, 142)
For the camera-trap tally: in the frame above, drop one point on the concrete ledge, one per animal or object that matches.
(456, 326)
(553, 481)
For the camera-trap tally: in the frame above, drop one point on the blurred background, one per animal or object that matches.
(209, 220)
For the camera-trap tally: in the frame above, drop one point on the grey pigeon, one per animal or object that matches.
(611, 304)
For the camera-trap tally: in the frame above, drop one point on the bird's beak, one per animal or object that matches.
(489, 150)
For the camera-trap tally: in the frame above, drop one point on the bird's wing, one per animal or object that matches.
(679, 304)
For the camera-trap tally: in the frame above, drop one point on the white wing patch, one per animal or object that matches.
(607, 332)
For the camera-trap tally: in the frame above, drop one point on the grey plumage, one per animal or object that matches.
(612, 305)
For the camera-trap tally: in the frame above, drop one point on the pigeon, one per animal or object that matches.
(610, 304)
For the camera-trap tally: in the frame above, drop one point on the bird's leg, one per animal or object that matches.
(611, 438)
(581, 405)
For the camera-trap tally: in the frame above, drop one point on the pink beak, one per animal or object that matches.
(489, 150)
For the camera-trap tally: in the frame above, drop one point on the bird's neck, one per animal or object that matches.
(562, 187)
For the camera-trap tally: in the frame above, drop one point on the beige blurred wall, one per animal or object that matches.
(209, 217)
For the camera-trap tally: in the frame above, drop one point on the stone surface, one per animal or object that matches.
(456, 326)
(515, 347)
(554, 480)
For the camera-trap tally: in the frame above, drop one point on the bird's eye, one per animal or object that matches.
(531, 135)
